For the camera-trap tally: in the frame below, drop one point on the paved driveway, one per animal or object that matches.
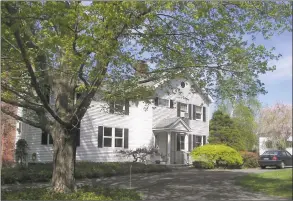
(189, 184)
(182, 184)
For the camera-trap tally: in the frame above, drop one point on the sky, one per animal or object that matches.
(278, 83)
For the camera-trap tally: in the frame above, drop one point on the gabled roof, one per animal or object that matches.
(156, 84)
(175, 123)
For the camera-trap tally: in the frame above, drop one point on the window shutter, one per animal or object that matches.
(127, 107)
(44, 138)
(189, 142)
(171, 104)
(100, 136)
(78, 135)
(178, 109)
(50, 139)
(189, 111)
(111, 107)
(194, 111)
(194, 141)
(204, 139)
(126, 131)
(204, 114)
(156, 101)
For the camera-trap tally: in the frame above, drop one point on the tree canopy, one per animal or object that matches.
(223, 130)
(53, 50)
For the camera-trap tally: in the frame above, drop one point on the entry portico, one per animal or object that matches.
(172, 140)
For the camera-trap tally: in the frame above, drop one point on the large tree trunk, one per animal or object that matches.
(64, 141)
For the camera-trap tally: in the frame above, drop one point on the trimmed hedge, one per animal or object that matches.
(216, 156)
(42, 172)
(84, 193)
(250, 159)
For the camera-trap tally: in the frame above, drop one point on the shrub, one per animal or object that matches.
(250, 159)
(42, 172)
(21, 152)
(218, 155)
(203, 164)
(84, 193)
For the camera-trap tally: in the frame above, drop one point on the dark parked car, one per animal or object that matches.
(276, 158)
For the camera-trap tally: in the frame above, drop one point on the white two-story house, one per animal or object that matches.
(176, 122)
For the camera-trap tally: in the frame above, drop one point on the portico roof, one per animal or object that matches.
(172, 124)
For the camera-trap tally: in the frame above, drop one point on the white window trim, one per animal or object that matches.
(113, 137)
(185, 111)
(201, 116)
(116, 110)
(107, 136)
(122, 147)
(161, 105)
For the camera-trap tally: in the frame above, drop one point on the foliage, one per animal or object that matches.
(223, 130)
(42, 172)
(250, 159)
(277, 183)
(84, 193)
(21, 152)
(61, 48)
(139, 153)
(244, 113)
(203, 164)
(275, 122)
(219, 155)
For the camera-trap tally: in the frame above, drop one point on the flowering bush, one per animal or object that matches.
(250, 159)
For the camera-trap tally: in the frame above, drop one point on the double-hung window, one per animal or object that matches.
(198, 112)
(180, 142)
(112, 137)
(107, 138)
(46, 138)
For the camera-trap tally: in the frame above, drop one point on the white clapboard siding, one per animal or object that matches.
(139, 123)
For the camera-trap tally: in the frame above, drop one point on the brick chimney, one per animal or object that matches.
(141, 68)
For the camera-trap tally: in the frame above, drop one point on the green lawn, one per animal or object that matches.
(278, 183)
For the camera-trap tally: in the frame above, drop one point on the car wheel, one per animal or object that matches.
(263, 167)
(282, 165)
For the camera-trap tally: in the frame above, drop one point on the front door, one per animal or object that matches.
(173, 148)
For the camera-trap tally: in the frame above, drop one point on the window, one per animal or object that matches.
(180, 142)
(107, 137)
(196, 141)
(182, 84)
(183, 107)
(197, 112)
(112, 137)
(163, 102)
(46, 138)
(119, 107)
(118, 137)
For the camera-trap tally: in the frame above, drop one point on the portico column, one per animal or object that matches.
(169, 148)
(201, 140)
(186, 142)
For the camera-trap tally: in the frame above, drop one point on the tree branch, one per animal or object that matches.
(21, 104)
(4, 86)
(24, 120)
(34, 81)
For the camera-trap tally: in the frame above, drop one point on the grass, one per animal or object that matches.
(84, 193)
(42, 172)
(276, 183)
